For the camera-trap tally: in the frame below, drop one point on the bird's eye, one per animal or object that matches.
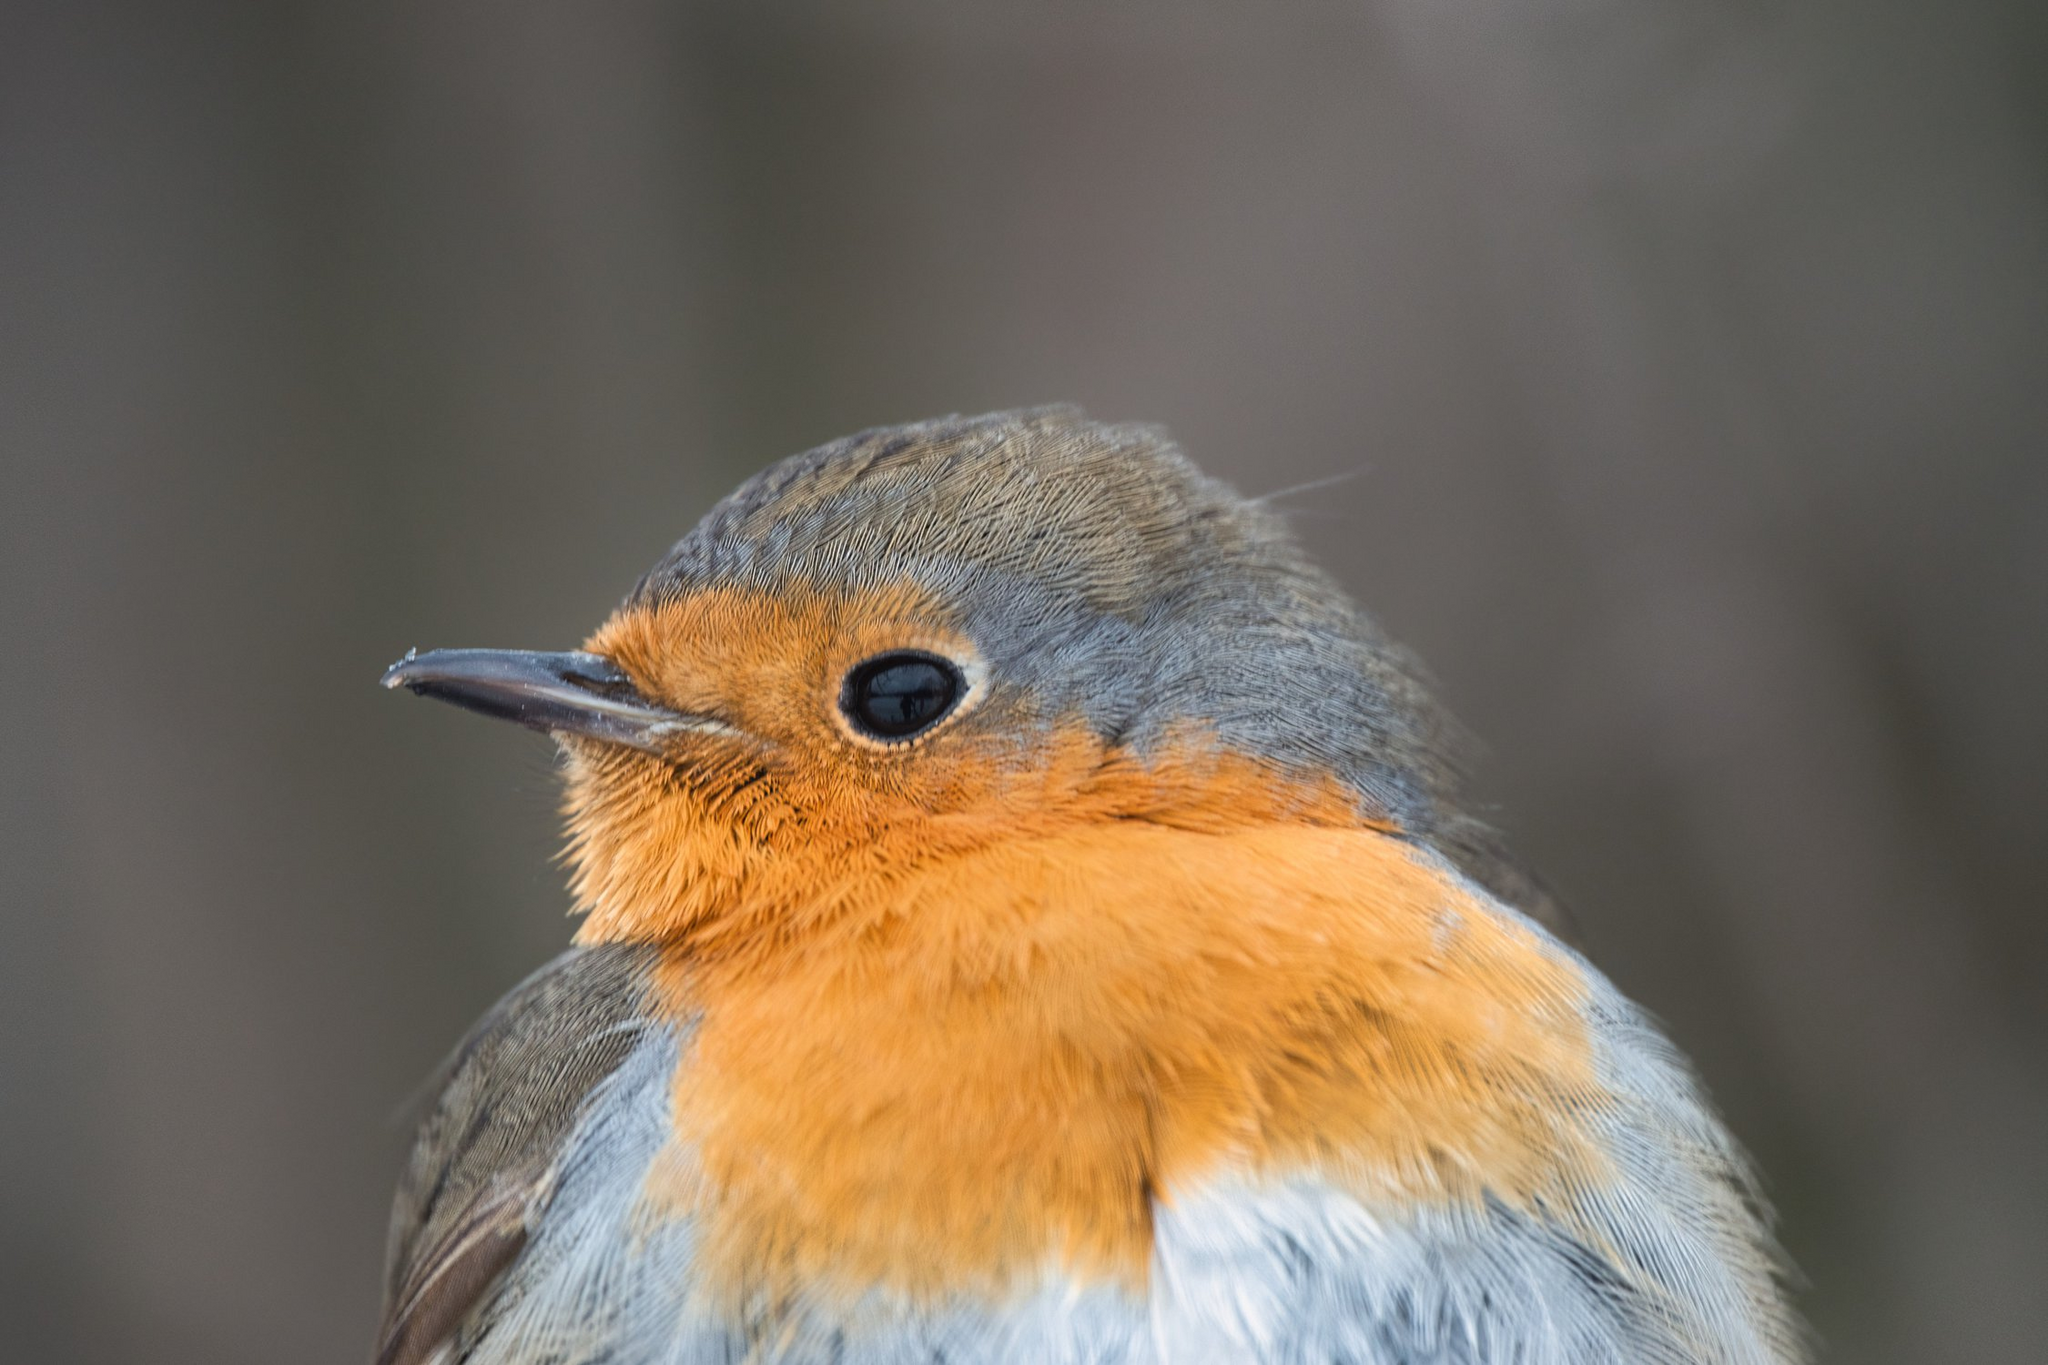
(895, 695)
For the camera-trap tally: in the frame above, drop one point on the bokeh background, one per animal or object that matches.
(1689, 362)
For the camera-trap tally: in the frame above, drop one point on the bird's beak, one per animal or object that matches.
(568, 693)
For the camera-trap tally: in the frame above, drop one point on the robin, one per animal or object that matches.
(1028, 917)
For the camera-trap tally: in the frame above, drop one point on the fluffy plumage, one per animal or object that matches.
(1157, 1005)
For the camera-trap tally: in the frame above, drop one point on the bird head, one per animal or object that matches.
(902, 646)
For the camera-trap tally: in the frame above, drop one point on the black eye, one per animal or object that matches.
(893, 696)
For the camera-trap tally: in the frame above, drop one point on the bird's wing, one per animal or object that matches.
(484, 1164)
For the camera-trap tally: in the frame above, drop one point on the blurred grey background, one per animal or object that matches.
(1692, 361)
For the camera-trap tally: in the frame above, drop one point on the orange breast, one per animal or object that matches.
(1000, 1066)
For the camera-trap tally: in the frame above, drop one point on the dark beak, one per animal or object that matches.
(570, 693)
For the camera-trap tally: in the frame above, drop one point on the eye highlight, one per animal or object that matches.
(896, 695)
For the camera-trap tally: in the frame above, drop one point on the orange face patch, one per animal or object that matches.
(967, 1008)
(793, 821)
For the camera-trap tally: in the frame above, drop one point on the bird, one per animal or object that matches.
(1029, 913)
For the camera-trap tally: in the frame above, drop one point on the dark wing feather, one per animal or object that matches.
(484, 1163)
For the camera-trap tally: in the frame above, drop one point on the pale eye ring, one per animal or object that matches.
(898, 695)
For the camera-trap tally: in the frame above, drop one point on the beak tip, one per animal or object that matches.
(395, 676)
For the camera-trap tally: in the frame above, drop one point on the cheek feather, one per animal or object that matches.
(771, 664)
(654, 847)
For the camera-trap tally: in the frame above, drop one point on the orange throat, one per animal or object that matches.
(959, 1066)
